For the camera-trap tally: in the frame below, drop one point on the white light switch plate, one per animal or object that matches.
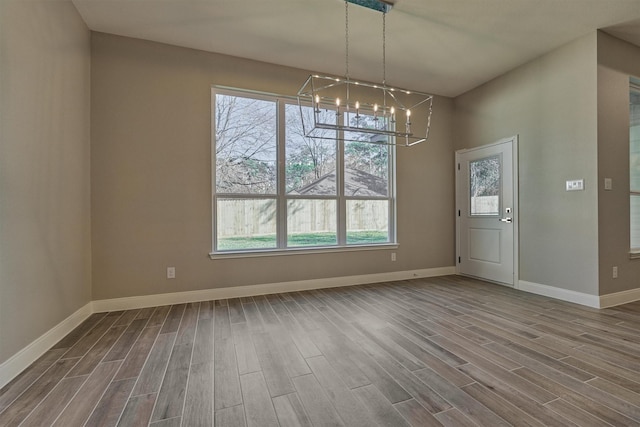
(575, 185)
(608, 184)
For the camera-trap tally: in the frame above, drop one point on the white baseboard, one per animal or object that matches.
(21, 360)
(595, 301)
(25, 357)
(559, 293)
(618, 298)
(129, 303)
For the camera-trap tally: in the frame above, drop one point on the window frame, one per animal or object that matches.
(282, 198)
(634, 252)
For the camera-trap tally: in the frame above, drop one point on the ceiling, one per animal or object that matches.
(445, 47)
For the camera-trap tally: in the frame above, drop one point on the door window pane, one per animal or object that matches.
(245, 145)
(245, 224)
(310, 162)
(484, 186)
(367, 221)
(311, 222)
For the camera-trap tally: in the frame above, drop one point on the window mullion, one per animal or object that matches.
(342, 201)
(281, 184)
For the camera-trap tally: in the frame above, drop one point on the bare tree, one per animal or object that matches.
(361, 154)
(246, 147)
(485, 177)
(308, 159)
(245, 135)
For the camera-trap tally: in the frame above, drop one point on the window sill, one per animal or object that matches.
(634, 255)
(302, 251)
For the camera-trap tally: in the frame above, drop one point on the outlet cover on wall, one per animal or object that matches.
(171, 272)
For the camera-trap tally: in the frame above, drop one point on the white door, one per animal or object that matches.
(486, 211)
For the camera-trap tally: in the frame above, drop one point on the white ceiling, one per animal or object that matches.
(444, 47)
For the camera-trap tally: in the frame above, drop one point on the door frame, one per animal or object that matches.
(513, 140)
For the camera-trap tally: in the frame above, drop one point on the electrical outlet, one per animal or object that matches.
(393, 256)
(615, 272)
(171, 272)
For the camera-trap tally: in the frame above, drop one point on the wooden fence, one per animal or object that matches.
(258, 216)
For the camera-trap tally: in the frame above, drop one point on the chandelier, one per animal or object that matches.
(350, 110)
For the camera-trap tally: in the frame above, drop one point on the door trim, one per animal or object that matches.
(516, 211)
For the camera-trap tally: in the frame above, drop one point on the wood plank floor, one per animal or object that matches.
(444, 351)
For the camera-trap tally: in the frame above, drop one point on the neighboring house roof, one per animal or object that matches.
(356, 182)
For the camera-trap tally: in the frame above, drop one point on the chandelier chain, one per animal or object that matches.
(346, 38)
(384, 48)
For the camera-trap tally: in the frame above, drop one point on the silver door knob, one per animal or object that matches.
(509, 220)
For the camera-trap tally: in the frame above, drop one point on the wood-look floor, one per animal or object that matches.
(444, 351)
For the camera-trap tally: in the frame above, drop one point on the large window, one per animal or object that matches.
(275, 189)
(634, 163)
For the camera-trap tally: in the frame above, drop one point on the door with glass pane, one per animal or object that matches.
(486, 212)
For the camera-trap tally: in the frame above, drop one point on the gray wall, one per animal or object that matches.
(45, 248)
(551, 104)
(617, 60)
(151, 177)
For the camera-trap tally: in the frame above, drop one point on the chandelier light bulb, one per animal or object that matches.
(337, 102)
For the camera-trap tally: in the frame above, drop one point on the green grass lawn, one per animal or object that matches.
(300, 240)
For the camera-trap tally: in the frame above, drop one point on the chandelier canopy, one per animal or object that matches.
(350, 110)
